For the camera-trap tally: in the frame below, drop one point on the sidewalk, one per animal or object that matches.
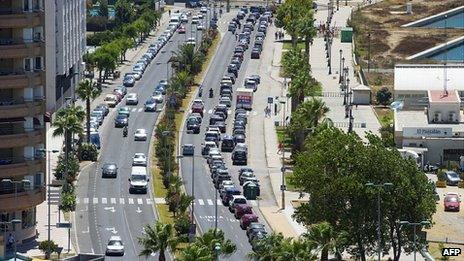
(60, 235)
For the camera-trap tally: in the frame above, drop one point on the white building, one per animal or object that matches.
(65, 27)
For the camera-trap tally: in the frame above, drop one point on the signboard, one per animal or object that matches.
(427, 132)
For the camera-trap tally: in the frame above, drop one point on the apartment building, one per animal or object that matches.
(65, 27)
(22, 106)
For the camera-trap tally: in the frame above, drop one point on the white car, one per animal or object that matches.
(132, 99)
(140, 134)
(158, 97)
(115, 246)
(139, 159)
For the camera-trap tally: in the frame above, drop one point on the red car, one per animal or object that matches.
(241, 210)
(181, 30)
(452, 202)
(247, 219)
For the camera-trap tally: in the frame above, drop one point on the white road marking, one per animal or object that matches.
(131, 201)
(139, 201)
(86, 200)
(121, 201)
(201, 202)
(104, 201)
(95, 200)
(210, 202)
(113, 201)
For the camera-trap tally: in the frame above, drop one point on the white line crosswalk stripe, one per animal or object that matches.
(113, 201)
(201, 202)
(104, 201)
(139, 201)
(210, 202)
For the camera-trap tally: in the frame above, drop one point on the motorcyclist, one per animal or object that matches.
(211, 92)
(124, 131)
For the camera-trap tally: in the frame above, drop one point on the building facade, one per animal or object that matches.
(65, 24)
(22, 107)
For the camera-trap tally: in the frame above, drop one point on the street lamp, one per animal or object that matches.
(12, 222)
(48, 152)
(415, 225)
(379, 187)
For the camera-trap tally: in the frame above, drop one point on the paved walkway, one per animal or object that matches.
(60, 235)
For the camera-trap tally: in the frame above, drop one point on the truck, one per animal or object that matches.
(244, 98)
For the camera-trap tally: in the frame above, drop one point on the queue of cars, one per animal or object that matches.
(217, 142)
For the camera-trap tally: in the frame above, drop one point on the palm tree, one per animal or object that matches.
(268, 248)
(157, 238)
(211, 238)
(306, 118)
(195, 253)
(327, 239)
(87, 91)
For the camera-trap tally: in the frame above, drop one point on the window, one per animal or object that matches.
(28, 218)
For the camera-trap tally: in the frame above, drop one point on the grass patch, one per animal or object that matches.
(384, 115)
(287, 45)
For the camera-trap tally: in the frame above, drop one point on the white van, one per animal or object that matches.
(138, 181)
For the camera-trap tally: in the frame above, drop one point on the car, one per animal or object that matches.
(140, 135)
(121, 120)
(235, 200)
(452, 178)
(241, 210)
(139, 159)
(247, 219)
(193, 125)
(181, 30)
(129, 80)
(255, 53)
(452, 202)
(111, 100)
(124, 110)
(158, 97)
(114, 246)
(188, 149)
(132, 99)
(109, 170)
(150, 104)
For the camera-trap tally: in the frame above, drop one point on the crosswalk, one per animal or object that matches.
(146, 201)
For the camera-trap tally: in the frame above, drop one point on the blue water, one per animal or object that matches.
(452, 21)
(452, 54)
(94, 12)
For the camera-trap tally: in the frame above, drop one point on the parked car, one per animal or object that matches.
(452, 202)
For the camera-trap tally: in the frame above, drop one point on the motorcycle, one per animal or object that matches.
(211, 93)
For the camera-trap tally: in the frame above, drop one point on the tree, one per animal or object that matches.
(384, 96)
(124, 12)
(87, 91)
(305, 119)
(157, 238)
(326, 238)
(334, 170)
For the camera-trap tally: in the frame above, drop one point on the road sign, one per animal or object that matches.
(64, 225)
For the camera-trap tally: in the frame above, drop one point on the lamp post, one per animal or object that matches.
(48, 152)
(12, 222)
(379, 187)
(340, 71)
(415, 225)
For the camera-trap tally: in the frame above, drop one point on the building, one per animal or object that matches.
(65, 24)
(22, 106)
(435, 132)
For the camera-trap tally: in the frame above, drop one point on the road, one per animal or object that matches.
(105, 207)
(204, 189)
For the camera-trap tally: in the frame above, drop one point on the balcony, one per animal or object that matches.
(18, 18)
(10, 138)
(20, 167)
(22, 199)
(19, 108)
(18, 48)
(20, 79)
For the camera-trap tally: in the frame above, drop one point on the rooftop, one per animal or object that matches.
(448, 97)
(418, 119)
(426, 77)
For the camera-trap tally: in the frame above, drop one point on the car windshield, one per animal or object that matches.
(115, 243)
(138, 177)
